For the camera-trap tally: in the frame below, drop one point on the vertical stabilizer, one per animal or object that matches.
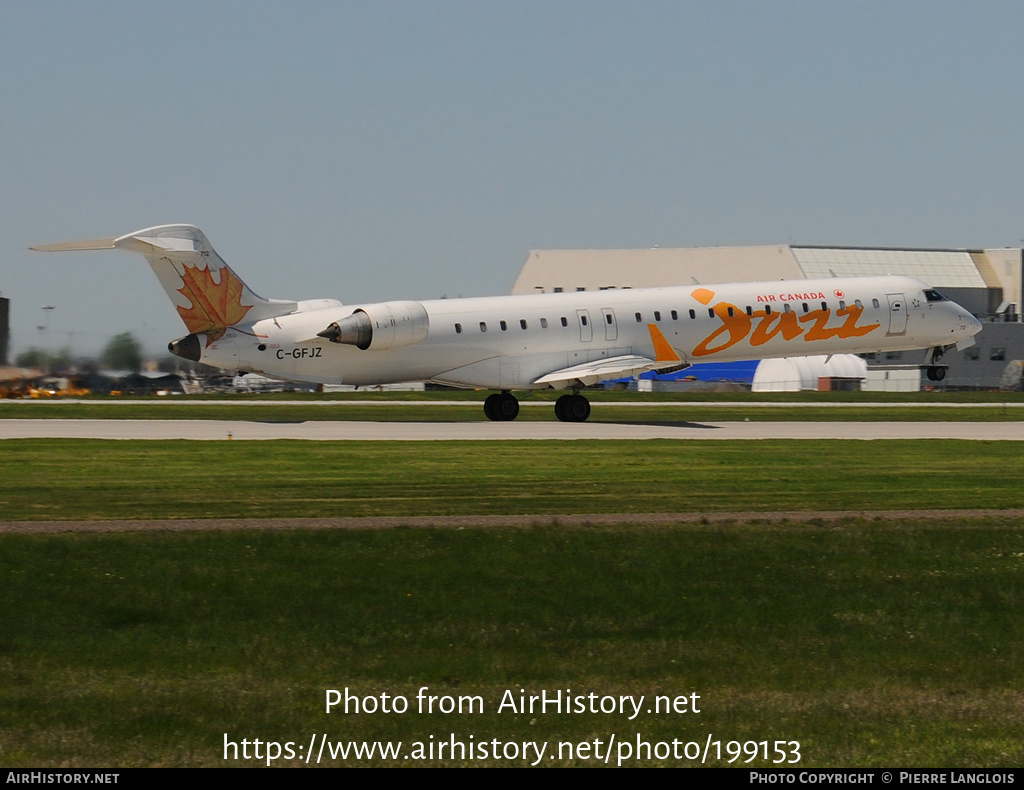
(208, 295)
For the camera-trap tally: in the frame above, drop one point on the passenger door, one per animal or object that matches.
(586, 329)
(897, 314)
(611, 329)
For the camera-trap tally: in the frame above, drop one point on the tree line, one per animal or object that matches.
(122, 352)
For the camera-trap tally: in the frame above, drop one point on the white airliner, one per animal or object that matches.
(558, 341)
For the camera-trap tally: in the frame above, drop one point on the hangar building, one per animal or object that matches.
(989, 283)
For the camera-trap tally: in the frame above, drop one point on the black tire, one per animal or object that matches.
(507, 407)
(492, 407)
(562, 408)
(578, 409)
(936, 373)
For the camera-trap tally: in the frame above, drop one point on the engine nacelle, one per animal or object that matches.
(187, 347)
(379, 327)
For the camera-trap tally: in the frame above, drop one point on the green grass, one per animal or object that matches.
(608, 407)
(93, 479)
(870, 643)
(596, 394)
(602, 412)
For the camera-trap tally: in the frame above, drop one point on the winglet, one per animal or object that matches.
(663, 352)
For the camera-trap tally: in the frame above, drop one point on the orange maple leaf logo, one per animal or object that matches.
(215, 305)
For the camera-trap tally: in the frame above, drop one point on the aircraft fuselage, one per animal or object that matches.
(507, 342)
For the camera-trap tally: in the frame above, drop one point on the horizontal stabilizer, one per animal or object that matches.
(74, 246)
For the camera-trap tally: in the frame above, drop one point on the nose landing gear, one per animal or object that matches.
(934, 371)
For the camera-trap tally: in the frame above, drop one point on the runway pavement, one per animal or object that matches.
(222, 430)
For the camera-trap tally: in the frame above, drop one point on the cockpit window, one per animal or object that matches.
(934, 296)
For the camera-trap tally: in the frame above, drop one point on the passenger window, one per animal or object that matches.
(483, 326)
(693, 314)
(608, 318)
(583, 320)
(675, 315)
(657, 315)
(565, 321)
(504, 326)
(458, 329)
(785, 308)
(711, 312)
(767, 309)
(522, 323)
(732, 312)
(874, 303)
(824, 306)
(806, 307)
(638, 317)
(842, 304)
(750, 310)
(543, 323)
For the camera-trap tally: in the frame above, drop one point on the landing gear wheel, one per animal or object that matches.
(508, 407)
(501, 407)
(935, 373)
(562, 408)
(491, 407)
(579, 409)
(572, 408)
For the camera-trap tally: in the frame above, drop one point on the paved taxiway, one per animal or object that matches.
(480, 431)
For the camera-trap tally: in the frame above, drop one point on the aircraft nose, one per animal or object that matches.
(973, 324)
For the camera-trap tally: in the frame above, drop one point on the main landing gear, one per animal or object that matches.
(503, 407)
(572, 408)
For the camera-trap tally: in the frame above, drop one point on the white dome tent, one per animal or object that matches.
(793, 374)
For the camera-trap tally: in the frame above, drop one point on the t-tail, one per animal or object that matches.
(207, 294)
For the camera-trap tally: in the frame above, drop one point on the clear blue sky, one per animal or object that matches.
(375, 150)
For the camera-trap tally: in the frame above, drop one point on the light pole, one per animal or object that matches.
(44, 332)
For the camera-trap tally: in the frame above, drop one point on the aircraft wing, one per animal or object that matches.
(665, 358)
(600, 370)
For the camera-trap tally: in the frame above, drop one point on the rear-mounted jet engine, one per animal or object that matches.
(379, 327)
